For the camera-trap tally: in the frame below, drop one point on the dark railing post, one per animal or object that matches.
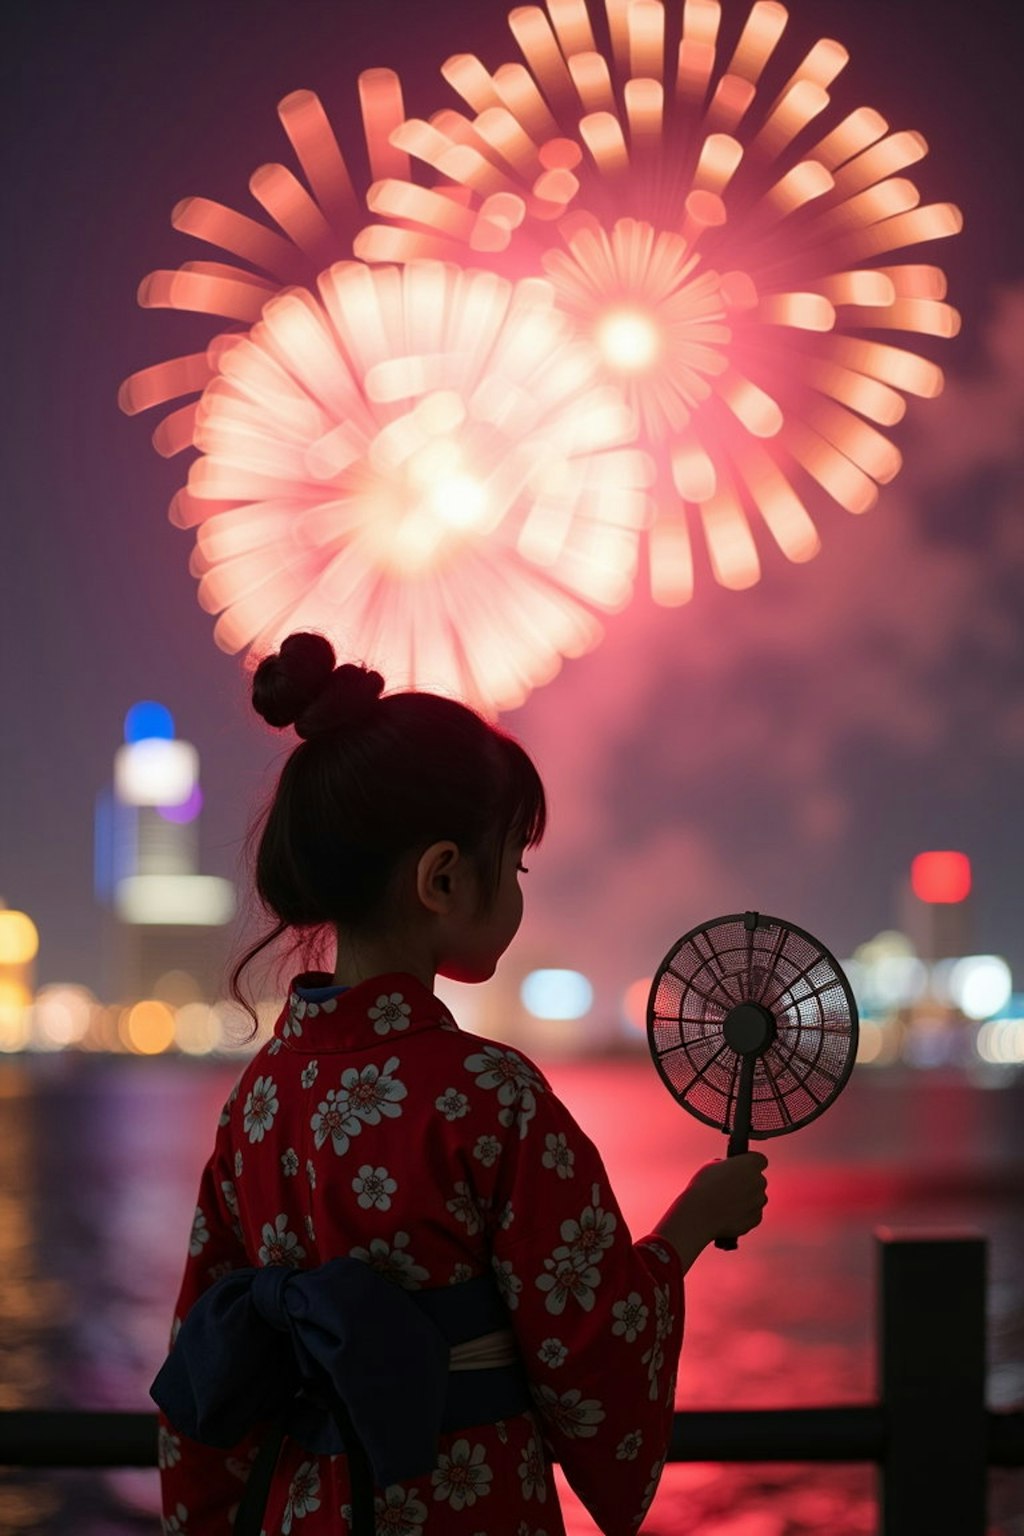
(931, 1377)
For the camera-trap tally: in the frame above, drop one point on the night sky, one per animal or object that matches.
(787, 748)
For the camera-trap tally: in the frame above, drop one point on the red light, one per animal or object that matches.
(941, 877)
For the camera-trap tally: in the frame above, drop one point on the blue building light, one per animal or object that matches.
(147, 721)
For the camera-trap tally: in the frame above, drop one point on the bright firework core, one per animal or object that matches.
(439, 504)
(426, 459)
(628, 338)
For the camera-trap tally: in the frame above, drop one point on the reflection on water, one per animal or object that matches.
(99, 1163)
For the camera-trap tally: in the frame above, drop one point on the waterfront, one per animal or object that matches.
(98, 1169)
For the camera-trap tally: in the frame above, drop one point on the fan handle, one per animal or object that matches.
(739, 1141)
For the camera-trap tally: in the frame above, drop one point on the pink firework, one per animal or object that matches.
(423, 463)
(725, 246)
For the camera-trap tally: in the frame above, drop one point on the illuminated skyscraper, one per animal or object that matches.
(935, 905)
(165, 915)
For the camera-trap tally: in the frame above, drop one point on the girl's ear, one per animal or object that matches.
(437, 873)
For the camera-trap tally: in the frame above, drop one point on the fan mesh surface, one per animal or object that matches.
(724, 963)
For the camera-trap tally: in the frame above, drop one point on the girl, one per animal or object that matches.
(409, 1286)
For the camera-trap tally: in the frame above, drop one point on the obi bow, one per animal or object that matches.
(259, 1338)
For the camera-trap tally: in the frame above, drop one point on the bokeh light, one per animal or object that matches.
(941, 876)
(19, 938)
(980, 985)
(870, 1042)
(147, 1027)
(197, 1029)
(726, 243)
(62, 1014)
(155, 771)
(196, 901)
(187, 811)
(1000, 1042)
(15, 1014)
(556, 994)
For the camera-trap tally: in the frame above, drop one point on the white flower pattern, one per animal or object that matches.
(400, 1512)
(200, 1234)
(464, 1208)
(393, 1263)
(558, 1155)
(567, 1278)
(452, 1104)
(652, 1486)
(280, 1246)
(487, 1150)
(654, 1358)
(630, 1316)
(572, 1413)
(531, 1472)
(374, 1188)
(364, 1097)
(514, 1079)
(225, 1114)
(462, 1477)
(628, 1447)
(260, 1108)
(587, 1238)
(391, 1012)
(302, 1495)
(553, 1353)
(509, 1284)
(168, 1448)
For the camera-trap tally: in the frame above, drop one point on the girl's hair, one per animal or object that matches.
(373, 779)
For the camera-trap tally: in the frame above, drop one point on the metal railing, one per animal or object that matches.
(931, 1435)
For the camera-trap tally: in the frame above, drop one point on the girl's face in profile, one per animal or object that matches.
(479, 940)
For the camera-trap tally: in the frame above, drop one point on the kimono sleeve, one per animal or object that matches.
(201, 1485)
(598, 1318)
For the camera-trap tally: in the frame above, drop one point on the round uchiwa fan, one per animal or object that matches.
(752, 1025)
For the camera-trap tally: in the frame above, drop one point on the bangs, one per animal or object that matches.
(523, 807)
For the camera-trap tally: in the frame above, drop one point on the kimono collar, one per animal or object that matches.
(320, 1017)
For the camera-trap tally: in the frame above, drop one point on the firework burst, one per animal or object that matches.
(723, 242)
(423, 463)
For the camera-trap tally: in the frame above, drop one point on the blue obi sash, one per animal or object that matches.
(342, 1360)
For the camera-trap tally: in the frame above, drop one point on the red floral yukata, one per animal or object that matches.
(371, 1126)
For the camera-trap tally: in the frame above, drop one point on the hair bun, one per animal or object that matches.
(301, 686)
(348, 696)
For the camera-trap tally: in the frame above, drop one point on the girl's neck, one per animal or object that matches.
(358, 962)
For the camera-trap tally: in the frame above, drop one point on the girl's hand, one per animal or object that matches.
(725, 1198)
